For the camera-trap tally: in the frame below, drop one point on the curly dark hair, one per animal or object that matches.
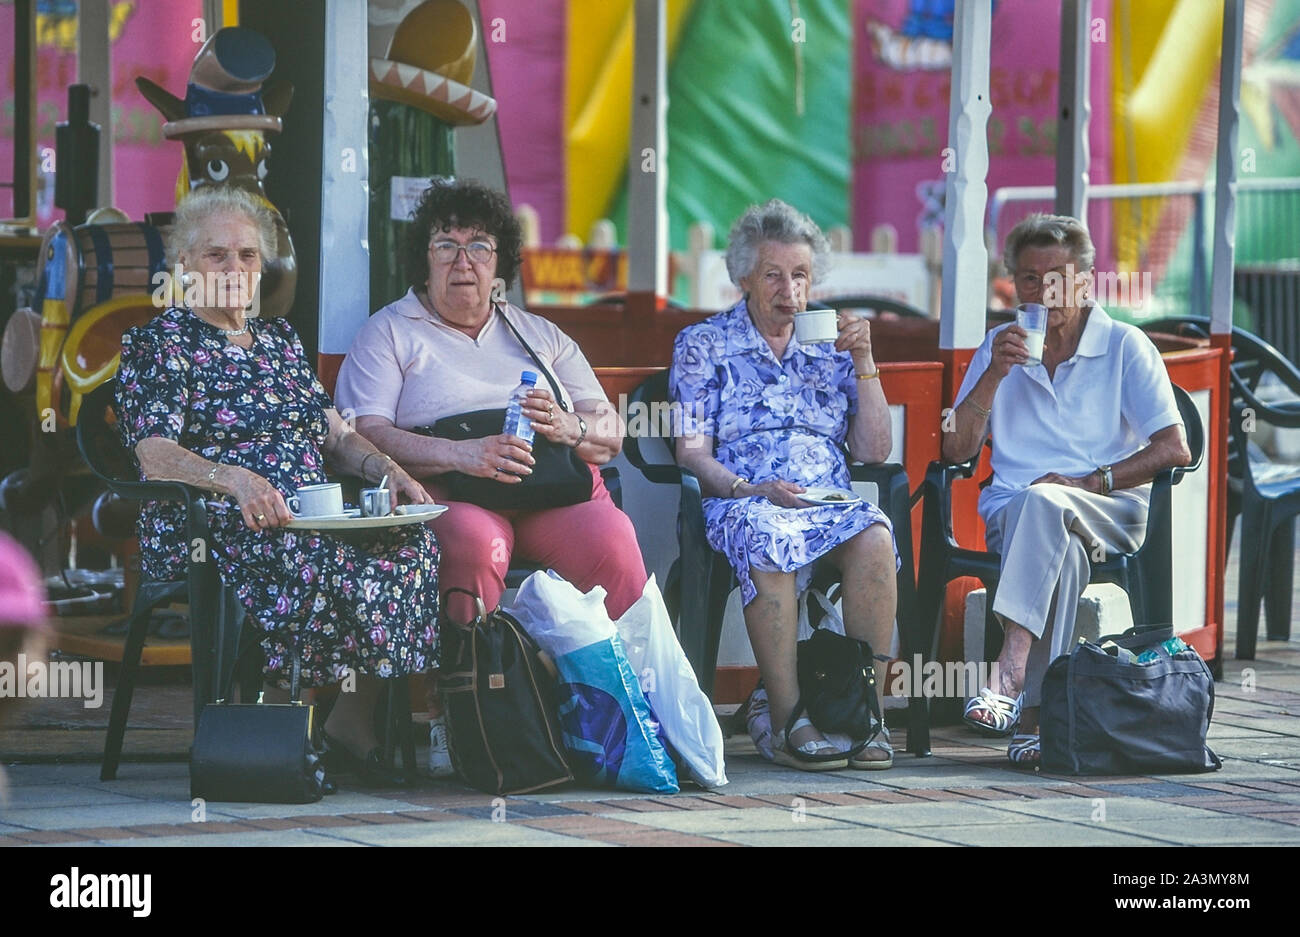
(461, 203)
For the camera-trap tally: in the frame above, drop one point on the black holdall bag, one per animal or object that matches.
(1105, 713)
(257, 752)
(559, 477)
(837, 687)
(501, 695)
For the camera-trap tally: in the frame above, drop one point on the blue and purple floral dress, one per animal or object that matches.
(371, 609)
(770, 420)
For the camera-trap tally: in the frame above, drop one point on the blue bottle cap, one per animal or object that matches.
(528, 377)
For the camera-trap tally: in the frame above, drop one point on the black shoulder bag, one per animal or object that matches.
(502, 697)
(1107, 710)
(560, 476)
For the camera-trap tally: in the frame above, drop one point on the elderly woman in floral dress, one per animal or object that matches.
(227, 402)
(765, 417)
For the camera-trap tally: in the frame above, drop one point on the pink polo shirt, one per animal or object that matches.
(407, 365)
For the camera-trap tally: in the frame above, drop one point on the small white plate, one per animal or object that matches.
(412, 509)
(829, 496)
(365, 523)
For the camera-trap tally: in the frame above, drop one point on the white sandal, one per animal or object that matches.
(1025, 750)
(1004, 710)
(814, 755)
(880, 743)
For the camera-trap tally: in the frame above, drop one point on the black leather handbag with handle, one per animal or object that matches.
(837, 688)
(257, 752)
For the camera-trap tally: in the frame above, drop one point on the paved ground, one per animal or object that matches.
(966, 794)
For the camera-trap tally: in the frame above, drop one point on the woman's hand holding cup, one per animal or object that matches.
(855, 338)
(260, 502)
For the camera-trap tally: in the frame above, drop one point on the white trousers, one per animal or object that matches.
(1047, 535)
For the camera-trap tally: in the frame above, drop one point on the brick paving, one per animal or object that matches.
(965, 793)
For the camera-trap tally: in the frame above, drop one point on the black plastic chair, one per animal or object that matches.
(1146, 574)
(700, 580)
(215, 613)
(1265, 494)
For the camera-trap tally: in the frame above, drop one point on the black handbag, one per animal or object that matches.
(837, 688)
(1104, 711)
(559, 477)
(501, 696)
(257, 753)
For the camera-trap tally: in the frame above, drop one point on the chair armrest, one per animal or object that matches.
(939, 478)
(1285, 416)
(613, 484)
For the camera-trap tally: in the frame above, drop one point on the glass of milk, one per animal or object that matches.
(1032, 317)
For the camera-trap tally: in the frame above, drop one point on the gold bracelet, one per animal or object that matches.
(978, 409)
(869, 377)
(212, 477)
(737, 483)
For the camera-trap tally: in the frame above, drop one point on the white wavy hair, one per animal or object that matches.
(1042, 230)
(774, 221)
(205, 203)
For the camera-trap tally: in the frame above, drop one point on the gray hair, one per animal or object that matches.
(1042, 230)
(775, 221)
(201, 205)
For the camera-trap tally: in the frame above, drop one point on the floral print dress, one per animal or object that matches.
(370, 609)
(770, 420)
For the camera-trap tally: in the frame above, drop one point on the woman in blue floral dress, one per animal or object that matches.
(231, 405)
(763, 419)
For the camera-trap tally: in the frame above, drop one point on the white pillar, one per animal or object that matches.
(95, 68)
(345, 181)
(965, 258)
(647, 170)
(1225, 181)
(1073, 110)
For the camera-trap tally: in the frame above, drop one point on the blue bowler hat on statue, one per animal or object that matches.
(225, 88)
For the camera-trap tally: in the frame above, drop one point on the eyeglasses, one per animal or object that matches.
(478, 252)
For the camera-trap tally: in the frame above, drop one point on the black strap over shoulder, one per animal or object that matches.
(555, 386)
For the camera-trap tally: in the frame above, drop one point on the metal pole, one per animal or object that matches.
(345, 174)
(1225, 181)
(94, 68)
(647, 185)
(965, 258)
(1073, 111)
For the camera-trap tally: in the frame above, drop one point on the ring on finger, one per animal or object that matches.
(261, 517)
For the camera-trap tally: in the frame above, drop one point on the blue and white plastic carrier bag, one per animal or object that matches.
(610, 731)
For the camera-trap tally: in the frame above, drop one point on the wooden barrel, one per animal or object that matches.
(81, 268)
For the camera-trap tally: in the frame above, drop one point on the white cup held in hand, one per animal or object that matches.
(816, 325)
(316, 501)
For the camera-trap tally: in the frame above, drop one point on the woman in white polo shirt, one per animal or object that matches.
(1077, 440)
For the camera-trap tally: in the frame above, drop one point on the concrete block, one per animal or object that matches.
(1103, 609)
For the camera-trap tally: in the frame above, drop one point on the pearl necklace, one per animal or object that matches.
(232, 332)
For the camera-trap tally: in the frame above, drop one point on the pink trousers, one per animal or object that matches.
(589, 544)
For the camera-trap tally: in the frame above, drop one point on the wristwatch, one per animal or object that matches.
(1107, 479)
(582, 431)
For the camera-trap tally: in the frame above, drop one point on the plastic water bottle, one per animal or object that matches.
(516, 423)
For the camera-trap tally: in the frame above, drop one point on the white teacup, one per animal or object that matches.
(317, 500)
(816, 325)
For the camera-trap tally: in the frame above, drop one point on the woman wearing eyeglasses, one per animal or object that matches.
(453, 345)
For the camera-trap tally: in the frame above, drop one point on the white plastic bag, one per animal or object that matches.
(669, 683)
(559, 617)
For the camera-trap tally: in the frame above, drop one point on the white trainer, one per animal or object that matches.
(439, 757)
